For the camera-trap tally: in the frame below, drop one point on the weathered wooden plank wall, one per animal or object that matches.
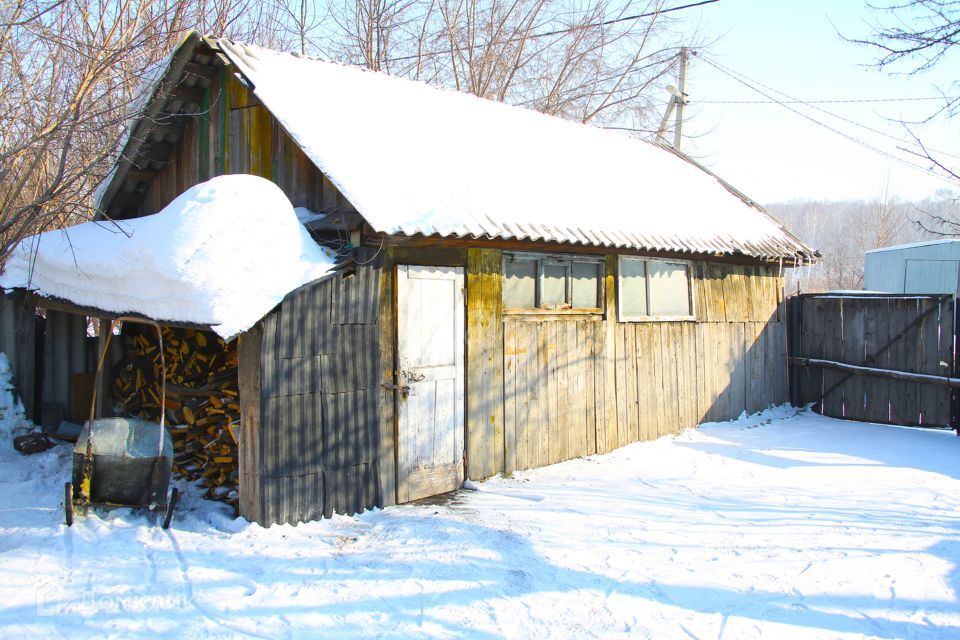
(912, 334)
(577, 385)
(249, 351)
(238, 135)
(668, 376)
(320, 446)
(484, 364)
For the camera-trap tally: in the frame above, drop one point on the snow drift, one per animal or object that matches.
(223, 254)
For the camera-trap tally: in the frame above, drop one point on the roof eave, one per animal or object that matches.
(506, 242)
(145, 121)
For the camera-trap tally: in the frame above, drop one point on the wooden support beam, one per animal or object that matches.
(248, 351)
(856, 370)
(103, 399)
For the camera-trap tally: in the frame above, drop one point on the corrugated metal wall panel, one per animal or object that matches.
(344, 488)
(319, 398)
(292, 499)
(932, 272)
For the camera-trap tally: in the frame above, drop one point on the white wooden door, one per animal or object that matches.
(430, 377)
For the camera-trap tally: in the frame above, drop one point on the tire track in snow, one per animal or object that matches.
(203, 609)
(150, 555)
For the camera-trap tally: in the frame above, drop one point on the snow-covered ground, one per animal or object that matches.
(782, 525)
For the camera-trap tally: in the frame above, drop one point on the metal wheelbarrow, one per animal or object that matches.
(123, 462)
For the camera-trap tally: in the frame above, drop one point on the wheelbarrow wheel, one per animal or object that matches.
(68, 503)
(171, 506)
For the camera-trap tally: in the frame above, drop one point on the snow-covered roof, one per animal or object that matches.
(222, 254)
(414, 159)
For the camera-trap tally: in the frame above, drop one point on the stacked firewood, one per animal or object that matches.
(202, 404)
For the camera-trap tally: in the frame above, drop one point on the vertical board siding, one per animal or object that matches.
(575, 386)
(387, 376)
(235, 134)
(550, 366)
(320, 415)
(485, 364)
(248, 351)
(863, 331)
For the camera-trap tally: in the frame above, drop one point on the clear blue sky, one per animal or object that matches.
(793, 46)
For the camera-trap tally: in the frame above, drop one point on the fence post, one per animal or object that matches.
(795, 329)
(954, 393)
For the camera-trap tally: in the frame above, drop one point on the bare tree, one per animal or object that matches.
(920, 34)
(299, 20)
(843, 232)
(380, 34)
(70, 75)
(61, 92)
(591, 61)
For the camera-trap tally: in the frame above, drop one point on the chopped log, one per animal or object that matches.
(201, 409)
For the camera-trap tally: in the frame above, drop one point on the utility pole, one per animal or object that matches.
(678, 99)
(681, 98)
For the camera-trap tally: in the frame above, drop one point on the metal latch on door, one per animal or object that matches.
(404, 389)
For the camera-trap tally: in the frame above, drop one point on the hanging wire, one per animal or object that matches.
(812, 105)
(811, 102)
(556, 32)
(855, 140)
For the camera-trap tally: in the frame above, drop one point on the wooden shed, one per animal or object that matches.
(517, 290)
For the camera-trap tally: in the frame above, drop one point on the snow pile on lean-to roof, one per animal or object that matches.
(223, 253)
(414, 159)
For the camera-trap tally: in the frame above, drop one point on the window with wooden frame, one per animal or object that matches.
(654, 289)
(550, 283)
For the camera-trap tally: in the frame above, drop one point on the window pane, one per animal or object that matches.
(585, 285)
(520, 284)
(633, 288)
(669, 288)
(554, 286)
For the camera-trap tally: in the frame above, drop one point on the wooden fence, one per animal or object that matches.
(878, 358)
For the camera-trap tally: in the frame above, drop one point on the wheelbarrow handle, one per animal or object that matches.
(88, 454)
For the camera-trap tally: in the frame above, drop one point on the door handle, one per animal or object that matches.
(404, 389)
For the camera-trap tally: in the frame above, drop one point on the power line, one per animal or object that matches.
(849, 137)
(626, 19)
(852, 101)
(792, 100)
(557, 32)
